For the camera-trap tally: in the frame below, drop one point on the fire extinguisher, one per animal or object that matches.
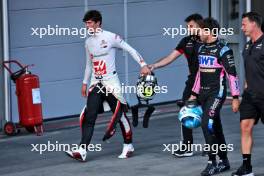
(28, 99)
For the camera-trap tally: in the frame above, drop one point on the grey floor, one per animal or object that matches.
(16, 157)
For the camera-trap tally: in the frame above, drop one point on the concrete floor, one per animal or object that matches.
(149, 159)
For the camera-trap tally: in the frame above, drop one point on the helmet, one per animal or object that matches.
(190, 115)
(145, 87)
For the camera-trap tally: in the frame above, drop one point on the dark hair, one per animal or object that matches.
(254, 17)
(93, 15)
(194, 17)
(210, 23)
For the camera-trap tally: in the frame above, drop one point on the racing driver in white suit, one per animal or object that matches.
(104, 85)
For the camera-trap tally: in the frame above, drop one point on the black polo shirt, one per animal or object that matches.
(189, 46)
(253, 55)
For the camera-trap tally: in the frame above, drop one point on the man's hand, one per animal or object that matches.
(151, 67)
(245, 85)
(235, 105)
(84, 90)
(145, 70)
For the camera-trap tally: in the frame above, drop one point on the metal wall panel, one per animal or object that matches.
(59, 60)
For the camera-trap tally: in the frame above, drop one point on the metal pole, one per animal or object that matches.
(6, 58)
(210, 8)
(125, 54)
(243, 6)
(85, 6)
(248, 6)
(215, 11)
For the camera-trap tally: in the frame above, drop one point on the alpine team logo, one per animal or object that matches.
(99, 67)
(206, 60)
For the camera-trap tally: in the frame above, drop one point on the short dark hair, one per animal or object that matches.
(253, 17)
(194, 17)
(93, 15)
(210, 23)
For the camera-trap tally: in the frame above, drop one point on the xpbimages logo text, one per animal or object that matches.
(57, 30)
(128, 89)
(60, 147)
(214, 149)
(183, 31)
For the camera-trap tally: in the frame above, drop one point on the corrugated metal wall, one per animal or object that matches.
(59, 60)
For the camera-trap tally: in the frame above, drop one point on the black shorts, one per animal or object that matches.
(252, 107)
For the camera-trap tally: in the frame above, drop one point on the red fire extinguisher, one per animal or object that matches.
(28, 99)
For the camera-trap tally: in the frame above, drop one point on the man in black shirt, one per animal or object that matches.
(252, 105)
(188, 46)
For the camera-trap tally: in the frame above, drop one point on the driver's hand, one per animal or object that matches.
(145, 70)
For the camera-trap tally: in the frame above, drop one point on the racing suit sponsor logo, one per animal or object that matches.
(103, 44)
(213, 51)
(118, 38)
(259, 46)
(99, 67)
(91, 56)
(206, 60)
(247, 46)
(213, 107)
(208, 70)
(230, 59)
(236, 85)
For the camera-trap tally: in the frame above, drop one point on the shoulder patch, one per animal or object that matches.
(224, 50)
(118, 38)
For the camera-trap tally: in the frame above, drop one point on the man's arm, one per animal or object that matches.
(179, 50)
(87, 73)
(166, 60)
(196, 86)
(228, 62)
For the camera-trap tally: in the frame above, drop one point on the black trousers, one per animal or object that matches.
(96, 96)
(211, 105)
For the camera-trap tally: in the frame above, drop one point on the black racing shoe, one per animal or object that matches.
(210, 169)
(223, 165)
(243, 171)
(183, 153)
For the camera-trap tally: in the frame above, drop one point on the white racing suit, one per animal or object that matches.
(105, 85)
